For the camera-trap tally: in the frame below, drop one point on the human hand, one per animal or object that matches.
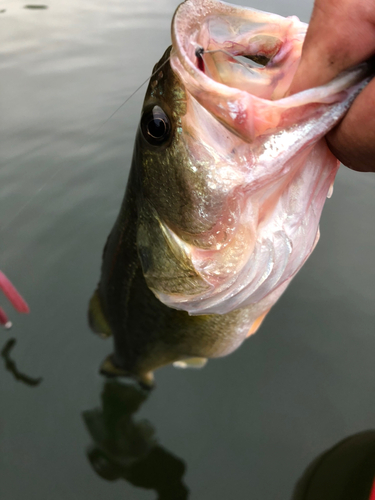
(341, 35)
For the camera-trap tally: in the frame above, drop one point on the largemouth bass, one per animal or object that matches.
(227, 185)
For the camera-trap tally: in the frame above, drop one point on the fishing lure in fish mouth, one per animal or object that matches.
(227, 185)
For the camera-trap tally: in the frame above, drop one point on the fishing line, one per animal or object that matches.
(200, 52)
(131, 95)
(90, 138)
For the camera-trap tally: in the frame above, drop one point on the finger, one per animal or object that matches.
(353, 140)
(341, 34)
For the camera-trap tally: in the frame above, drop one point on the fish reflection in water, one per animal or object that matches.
(127, 449)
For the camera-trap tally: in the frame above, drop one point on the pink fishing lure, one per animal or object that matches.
(14, 297)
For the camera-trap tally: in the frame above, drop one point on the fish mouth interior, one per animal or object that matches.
(238, 56)
(240, 48)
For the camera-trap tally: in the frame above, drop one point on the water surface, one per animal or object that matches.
(245, 426)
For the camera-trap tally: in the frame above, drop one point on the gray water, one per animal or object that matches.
(245, 426)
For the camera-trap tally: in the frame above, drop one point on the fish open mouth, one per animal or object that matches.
(240, 48)
(238, 63)
(228, 55)
(248, 65)
(234, 66)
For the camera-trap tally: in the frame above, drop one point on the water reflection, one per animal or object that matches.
(124, 448)
(10, 365)
(345, 472)
(127, 449)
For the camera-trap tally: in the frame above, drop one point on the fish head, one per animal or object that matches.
(229, 200)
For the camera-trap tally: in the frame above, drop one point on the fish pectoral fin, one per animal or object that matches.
(190, 363)
(109, 369)
(257, 323)
(97, 320)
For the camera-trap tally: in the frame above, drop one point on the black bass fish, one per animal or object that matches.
(227, 185)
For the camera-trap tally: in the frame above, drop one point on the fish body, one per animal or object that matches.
(228, 180)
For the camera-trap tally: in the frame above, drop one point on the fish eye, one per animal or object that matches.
(155, 126)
